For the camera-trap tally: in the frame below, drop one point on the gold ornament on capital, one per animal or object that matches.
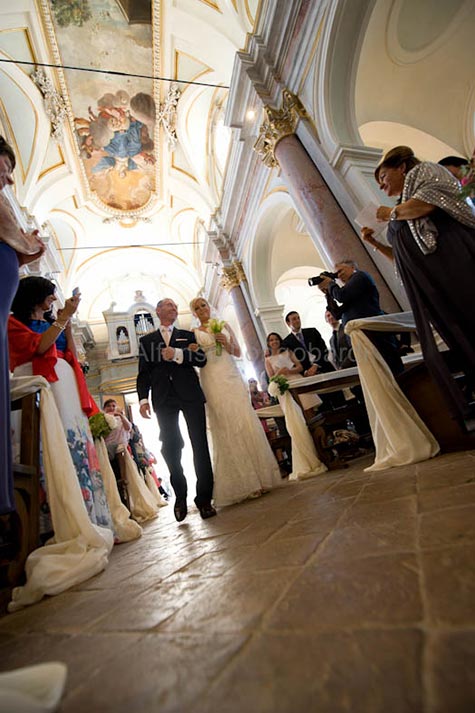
(278, 124)
(232, 276)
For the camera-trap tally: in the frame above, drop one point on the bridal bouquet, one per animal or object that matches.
(101, 424)
(278, 385)
(216, 326)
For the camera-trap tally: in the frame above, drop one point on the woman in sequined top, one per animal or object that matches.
(431, 237)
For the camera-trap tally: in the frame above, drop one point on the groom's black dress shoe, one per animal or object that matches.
(207, 511)
(180, 509)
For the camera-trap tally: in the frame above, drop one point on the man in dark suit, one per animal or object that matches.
(340, 343)
(308, 346)
(359, 298)
(166, 368)
(310, 349)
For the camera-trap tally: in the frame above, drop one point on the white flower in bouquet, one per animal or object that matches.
(216, 326)
(278, 385)
(112, 421)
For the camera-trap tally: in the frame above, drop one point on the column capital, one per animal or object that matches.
(232, 276)
(277, 124)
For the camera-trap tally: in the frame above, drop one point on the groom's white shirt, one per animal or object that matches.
(166, 333)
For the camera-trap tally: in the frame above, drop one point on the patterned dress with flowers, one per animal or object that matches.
(77, 432)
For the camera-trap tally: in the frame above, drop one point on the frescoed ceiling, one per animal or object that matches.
(127, 189)
(114, 117)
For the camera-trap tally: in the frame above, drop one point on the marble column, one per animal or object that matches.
(232, 279)
(328, 226)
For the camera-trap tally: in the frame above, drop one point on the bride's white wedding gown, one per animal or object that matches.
(243, 462)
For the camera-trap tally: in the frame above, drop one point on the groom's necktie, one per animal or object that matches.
(299, 336)
(166, 334)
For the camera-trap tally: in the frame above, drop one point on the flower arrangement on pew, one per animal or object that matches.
(216, 326)
(101, 424)
(278, 385)
(468, 180)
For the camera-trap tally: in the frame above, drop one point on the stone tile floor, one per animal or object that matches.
(351, 592)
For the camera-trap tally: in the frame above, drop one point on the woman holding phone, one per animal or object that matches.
(42, 345)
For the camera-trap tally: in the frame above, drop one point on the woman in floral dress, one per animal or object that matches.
(40, 345)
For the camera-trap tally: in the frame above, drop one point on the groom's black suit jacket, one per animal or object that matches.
(314, 345)
(163, 377)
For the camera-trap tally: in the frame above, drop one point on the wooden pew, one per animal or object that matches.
(323, 423)
(22, 528)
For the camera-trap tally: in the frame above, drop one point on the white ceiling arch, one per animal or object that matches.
(279, 244)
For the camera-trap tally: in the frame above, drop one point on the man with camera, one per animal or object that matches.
(358, 297)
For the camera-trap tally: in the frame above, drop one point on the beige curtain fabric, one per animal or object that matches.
(400, 436)
(125, 529)
(80, 549)
(305, 461)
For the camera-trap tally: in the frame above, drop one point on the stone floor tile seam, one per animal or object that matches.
(261, 622)
(321, 545)
(215, 682)
(347, 629)
(321, 560)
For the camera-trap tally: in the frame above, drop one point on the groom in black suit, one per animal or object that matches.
(307, 345)
(166, 367)
(310, 349)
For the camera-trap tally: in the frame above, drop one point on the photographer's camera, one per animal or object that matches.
(312, 281)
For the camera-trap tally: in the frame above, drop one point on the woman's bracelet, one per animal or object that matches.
(60, 326)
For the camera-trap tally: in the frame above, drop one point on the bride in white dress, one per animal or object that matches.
(243, 463)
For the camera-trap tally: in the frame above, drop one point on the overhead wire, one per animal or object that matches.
(114, 72)
(137, 245)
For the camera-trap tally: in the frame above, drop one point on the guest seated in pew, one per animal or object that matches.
(358, 297)
(282, 361)
(259, 399)
(116, 443)
(309, 347)
(42, 345)
(120, 435)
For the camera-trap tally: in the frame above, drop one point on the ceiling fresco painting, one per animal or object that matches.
(114, 117)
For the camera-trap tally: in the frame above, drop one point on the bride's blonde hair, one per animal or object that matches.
(194, 302)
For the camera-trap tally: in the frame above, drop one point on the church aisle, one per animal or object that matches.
(349, 592)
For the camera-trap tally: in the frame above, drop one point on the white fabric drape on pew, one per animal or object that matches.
(125, 529)
(400, 436)
(143, 503)
(81, 549)
(153, 487)
(305, 461)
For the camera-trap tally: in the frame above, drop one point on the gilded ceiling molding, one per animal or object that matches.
(232, 276)
(167, 115)
(278, 124)
(55, 106)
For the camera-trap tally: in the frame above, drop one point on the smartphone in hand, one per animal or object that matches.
(76, 292)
